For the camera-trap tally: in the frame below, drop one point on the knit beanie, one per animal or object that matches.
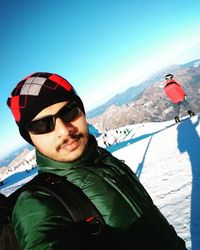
(35, 93)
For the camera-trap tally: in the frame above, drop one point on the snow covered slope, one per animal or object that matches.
(166, 158)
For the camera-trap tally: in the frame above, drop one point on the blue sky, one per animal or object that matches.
(100, 46)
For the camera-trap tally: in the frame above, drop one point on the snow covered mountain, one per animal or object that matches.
(166, 158)
(147, 101)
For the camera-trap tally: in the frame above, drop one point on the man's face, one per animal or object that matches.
(67, 142)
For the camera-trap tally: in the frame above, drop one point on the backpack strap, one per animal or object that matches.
(71, 197)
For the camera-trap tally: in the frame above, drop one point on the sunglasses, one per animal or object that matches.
(47, 123)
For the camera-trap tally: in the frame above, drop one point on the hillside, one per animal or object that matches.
(150, 104)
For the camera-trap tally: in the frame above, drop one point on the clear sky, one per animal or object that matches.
(100, 46)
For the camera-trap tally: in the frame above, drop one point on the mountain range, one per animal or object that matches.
(6, 161)
(147, 101)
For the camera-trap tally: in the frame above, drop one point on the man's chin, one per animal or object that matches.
(70, 156)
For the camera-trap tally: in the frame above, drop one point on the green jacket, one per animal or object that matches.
(132, 219)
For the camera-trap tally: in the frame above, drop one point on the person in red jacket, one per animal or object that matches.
(177, 95)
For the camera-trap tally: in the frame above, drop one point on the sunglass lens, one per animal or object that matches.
(41, 126)
(71, 114)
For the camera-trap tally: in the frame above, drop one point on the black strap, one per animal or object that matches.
(72, 198)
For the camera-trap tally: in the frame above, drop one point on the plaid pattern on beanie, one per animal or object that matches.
(36, 92)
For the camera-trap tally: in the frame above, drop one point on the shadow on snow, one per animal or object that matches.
(123, 144)
(188, 141)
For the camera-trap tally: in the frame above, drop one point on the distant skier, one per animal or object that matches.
(177, 95)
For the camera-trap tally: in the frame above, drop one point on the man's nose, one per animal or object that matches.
(63, 128)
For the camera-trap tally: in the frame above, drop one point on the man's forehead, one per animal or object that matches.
(50, 110)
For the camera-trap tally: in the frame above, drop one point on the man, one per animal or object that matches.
(51, 116)
(177, 95)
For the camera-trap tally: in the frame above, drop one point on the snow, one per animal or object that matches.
(196, 64)
(165, 156)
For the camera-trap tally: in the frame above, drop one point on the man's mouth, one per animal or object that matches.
(70, 144)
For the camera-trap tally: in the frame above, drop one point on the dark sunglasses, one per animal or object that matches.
(47, 123)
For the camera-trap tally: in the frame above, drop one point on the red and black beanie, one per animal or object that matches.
(36, 92)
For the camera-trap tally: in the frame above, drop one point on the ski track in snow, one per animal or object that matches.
(165, 156)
